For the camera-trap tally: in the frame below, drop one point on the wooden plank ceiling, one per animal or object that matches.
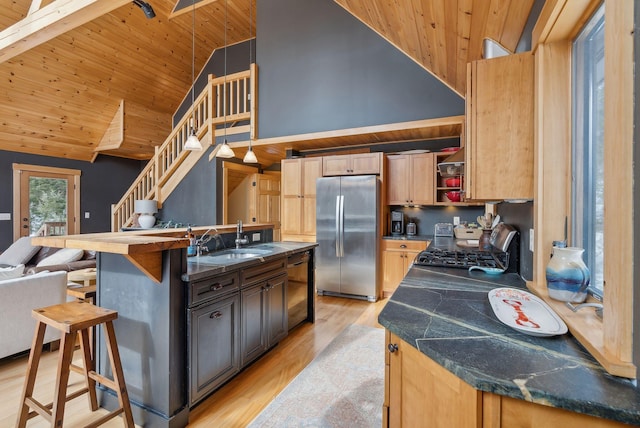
(61, 96)
(444, 35)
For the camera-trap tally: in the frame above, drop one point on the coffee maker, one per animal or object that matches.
(397, 223)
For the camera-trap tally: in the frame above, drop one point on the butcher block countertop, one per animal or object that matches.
(142, 247)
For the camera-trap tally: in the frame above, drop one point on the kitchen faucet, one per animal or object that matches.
(239, 239)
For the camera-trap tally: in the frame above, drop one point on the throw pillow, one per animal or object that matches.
(42, 254)
(11, 272)
(66, 255)
(20, 252)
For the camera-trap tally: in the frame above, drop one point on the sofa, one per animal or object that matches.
(18, 296)
(37, 258)
(31, 277)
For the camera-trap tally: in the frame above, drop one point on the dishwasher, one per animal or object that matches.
(300, 291)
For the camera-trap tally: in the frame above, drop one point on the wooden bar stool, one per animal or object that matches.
(71, 318)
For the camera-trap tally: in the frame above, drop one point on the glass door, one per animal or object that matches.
(46, 201)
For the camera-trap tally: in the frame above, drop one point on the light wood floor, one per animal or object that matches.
(233, 405)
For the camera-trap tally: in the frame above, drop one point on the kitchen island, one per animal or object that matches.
(450, 360)
(152, 328)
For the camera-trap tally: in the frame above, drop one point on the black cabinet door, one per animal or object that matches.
(214, 348)
(253, 338)
(276, 313)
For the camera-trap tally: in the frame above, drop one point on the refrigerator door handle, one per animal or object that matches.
(338, 226)
(341, 226)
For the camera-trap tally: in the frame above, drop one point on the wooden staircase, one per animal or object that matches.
(235, 95)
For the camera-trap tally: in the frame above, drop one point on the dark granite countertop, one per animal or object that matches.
(200, 267)
(446, 314)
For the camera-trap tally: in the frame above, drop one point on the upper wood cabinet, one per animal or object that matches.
(264, 201)
(298, 195)
(356, 164)
(410, 179)
(499, 128)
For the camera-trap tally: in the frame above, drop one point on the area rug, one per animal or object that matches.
(342, 387)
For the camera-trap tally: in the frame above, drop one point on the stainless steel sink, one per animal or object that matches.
(226, 256)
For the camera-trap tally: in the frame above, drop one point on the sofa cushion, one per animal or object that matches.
(43, 254)
(11, 272)
(20, 252)
(66, 255)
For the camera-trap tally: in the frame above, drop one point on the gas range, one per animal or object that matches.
(462, 258)
(445, 252)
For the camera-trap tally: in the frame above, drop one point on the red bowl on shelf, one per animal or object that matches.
(454, 195)
(450, 149)
(452, 182)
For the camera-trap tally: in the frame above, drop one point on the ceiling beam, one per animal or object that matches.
(56, 18)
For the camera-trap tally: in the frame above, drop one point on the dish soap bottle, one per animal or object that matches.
(191, 249)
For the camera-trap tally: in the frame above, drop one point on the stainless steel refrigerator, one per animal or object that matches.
(347, 230)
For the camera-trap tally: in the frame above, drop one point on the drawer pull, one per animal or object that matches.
(215, 287)
(403, 246)
(216, 315)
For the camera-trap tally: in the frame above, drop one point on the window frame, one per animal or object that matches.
(71, 175)
(584, 156)
(609, 340)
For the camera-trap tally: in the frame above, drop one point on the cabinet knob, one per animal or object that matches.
(216, 315)
(392, 347)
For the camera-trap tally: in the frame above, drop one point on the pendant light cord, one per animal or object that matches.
(225, 71)
(193, 65)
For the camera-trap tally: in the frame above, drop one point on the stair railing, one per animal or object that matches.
(232, 95)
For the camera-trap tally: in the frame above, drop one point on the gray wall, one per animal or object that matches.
(237, 60)
(194, 200)
(321, 69)
(102, 183)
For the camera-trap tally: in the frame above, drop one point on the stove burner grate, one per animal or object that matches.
(462, 259)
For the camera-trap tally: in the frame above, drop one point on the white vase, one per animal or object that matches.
(567, 276)
(146, 221)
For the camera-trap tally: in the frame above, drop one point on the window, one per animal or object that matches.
(588, 146)
(558, 72)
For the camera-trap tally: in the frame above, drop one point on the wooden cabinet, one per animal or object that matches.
(421, 393)
(213, 345)
(264, 201)
(298, 195)
(397, 257)
(410, 179)
(354, 164)
(499, 128)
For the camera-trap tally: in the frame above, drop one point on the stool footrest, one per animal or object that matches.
(39, 409)
(103, 380)
(76, 394)
(105, 418)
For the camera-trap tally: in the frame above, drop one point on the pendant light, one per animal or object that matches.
(225, 151)
(193, 143)
(250, 156)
